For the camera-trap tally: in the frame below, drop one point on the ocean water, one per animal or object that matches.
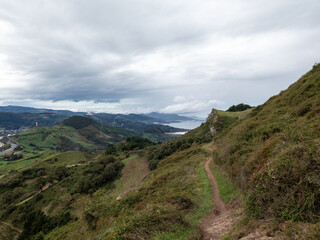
(191, 124)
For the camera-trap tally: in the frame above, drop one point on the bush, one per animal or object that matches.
(36, 224)
(135, 143)
(95, 175)
(78, 122)
(110, 150)
(238, 108)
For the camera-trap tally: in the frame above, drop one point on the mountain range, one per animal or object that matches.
(14, 117)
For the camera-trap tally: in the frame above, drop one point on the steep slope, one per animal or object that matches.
(274, 153)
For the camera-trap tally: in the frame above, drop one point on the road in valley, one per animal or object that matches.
(13, 147)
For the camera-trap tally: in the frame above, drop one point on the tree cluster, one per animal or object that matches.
(238, 108)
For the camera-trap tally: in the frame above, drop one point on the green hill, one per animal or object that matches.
(64, 137)
(78, 122)
(83, 134)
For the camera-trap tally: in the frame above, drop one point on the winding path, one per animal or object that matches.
(12, 148)
(220, 221)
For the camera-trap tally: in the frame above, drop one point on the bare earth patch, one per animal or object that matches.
(220, 221)
(130, 179)
(222, 217)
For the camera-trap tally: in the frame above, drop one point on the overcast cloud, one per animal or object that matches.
(162, 55)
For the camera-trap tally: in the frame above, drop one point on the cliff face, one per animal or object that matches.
(212, 119)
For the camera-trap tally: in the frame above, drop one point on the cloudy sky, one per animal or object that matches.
(171, 56)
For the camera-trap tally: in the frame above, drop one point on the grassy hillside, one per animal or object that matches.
(59, 138)
(140, 190)
(274, 153)
(169, 204)
(71, 196)
(39, 196)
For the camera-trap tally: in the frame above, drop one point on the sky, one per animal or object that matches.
(139, 56)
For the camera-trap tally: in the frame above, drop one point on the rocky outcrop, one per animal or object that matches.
(211, 119)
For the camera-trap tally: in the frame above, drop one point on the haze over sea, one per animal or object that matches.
(190, 124)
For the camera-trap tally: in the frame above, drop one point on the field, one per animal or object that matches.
(42, 159)
(55, 138)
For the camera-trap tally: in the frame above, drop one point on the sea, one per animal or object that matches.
(190, 124)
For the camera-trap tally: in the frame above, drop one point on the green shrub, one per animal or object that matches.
(95, 175)
(36, 224)
(78, 122)
(239, 107)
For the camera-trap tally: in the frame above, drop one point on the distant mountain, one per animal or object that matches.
(119, 119)
(14, 117)
(151, 126)
(85, 134)
(10, 120)
(146, 118)
(168, 118)
(20, 109)
(132, 121)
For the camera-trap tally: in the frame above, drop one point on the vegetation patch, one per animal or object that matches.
(228, 191)
(239, 107)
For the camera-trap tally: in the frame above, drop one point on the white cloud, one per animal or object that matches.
(190, 105)
(162, 55)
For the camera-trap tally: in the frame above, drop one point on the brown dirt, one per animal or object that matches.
(12, 227)
(220, 221)
(28, 181)
(222, 218)
(258, 234)
(46, 209)
(45, 187)
(130, 179)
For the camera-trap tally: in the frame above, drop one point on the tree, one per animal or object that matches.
(239, 107)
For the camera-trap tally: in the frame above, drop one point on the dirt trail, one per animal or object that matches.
(219, 205)
(12, 227)
(220, 221)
